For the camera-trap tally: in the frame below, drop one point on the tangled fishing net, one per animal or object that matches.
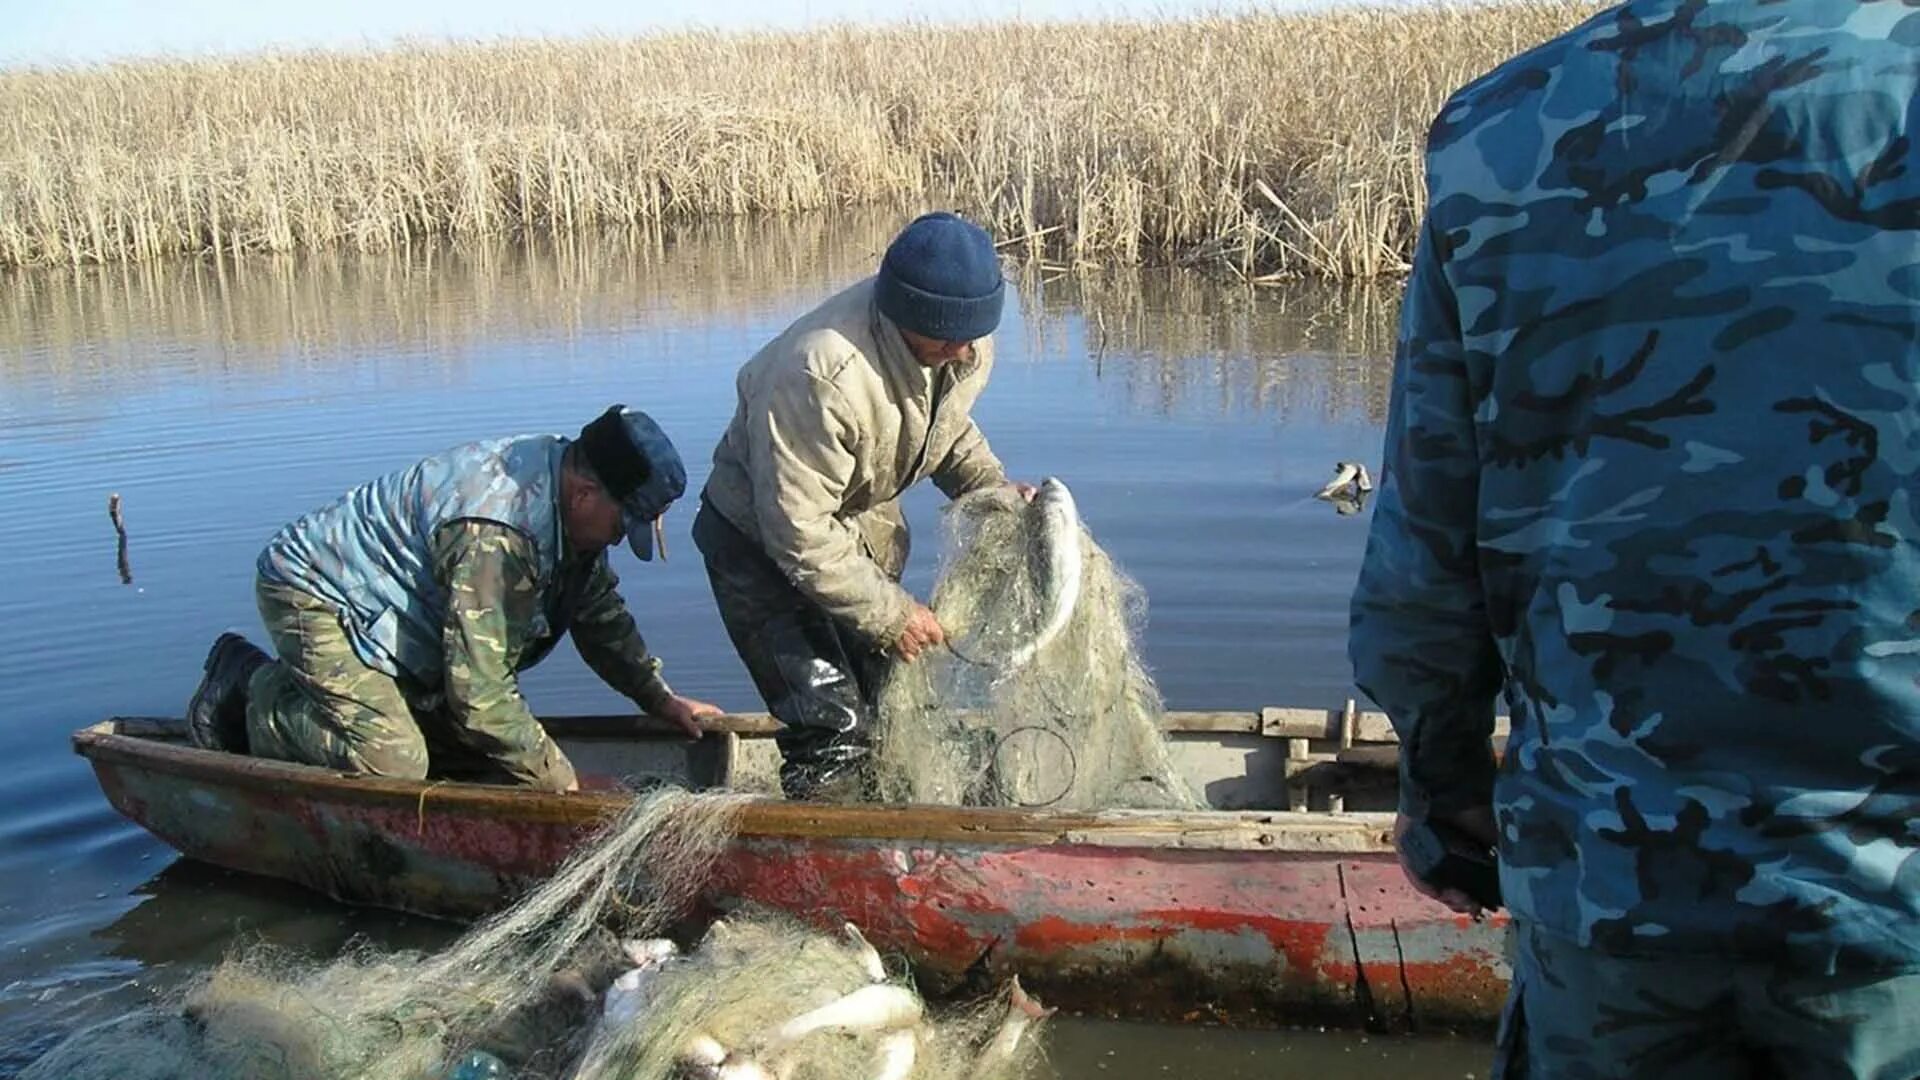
(765, 997)
(1041, 700)
(533, 990)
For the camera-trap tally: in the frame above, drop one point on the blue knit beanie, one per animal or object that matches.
(941, 279)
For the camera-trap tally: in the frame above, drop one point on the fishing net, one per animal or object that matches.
(521, 984)
(530, 994)
(802, 1005)
(1074, 724)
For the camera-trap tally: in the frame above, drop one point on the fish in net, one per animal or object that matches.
(519, 984)
(765, 997)
(1040, 700)
(568, 984)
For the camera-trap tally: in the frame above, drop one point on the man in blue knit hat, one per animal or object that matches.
(800, 523)
(404, 612)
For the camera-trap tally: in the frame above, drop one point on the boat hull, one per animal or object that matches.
(1256, 920)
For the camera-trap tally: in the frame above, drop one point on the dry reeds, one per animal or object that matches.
(1266, 143)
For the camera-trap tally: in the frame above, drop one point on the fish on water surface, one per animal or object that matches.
(1350, 478)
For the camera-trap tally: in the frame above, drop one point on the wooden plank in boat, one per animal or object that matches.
(1274, 722)
(1369, 727)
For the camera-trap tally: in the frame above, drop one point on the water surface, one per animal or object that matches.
(219, 401)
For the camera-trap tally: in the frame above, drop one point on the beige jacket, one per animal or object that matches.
(836, 419)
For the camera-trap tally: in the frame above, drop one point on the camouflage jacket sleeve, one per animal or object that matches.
(1420, 641)
(493, 600)
(611, 644)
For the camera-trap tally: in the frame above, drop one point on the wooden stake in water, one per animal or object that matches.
(120, 527)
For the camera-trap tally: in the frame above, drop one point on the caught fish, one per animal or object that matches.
(1022, 1012)
(632, 992)
(1055, 562)
(704, 1051)
(730, 1069)
(650, 952)
(869, 956)
(898, 1051)
(870, 1008)
(705, 1059)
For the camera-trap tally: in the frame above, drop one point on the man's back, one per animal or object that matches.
(1653, 462)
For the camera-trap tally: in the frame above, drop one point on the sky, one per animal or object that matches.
(82, 31)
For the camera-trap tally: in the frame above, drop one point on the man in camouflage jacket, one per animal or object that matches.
(1653, 470)
(404, 612)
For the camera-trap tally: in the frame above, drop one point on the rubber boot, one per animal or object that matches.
(217, 715)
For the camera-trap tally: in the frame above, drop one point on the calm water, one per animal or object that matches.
(1191, 420)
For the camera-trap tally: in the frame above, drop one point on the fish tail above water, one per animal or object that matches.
(1345, 473)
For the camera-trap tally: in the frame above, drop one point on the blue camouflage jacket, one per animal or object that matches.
(1651, 471)
(370, 553)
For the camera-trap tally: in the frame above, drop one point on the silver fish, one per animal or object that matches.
(1055, 561)
(871, 1008)
(632, 993)
(649, 952)
(898, 1052)
(869, 956)
(706, 1059)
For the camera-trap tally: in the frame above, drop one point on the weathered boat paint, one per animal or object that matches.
(1231, 917)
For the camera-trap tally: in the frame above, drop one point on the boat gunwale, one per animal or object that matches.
(1277, 832)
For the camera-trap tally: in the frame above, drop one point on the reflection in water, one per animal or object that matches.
(1171, 338)
(191, 915)
(1298, 348)
(432, 300)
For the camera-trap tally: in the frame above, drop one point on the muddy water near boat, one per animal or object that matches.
(1193, 421)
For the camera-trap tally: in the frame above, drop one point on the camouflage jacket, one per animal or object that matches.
(369, 553)
(462, 610)
(500, 622)
(1652, 466)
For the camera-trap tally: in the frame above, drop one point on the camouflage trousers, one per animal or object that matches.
(1578, 1014)
(319, 704)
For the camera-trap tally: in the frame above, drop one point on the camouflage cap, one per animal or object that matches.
(639, 466)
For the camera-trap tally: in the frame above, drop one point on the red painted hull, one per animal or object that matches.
(1240, 918)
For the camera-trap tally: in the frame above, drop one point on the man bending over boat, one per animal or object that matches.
(404, 612)
(1652, 476)
(804, 541)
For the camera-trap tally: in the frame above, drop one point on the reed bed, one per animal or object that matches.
(1269, 144)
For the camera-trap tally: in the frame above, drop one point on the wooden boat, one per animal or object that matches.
(1281, 904)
